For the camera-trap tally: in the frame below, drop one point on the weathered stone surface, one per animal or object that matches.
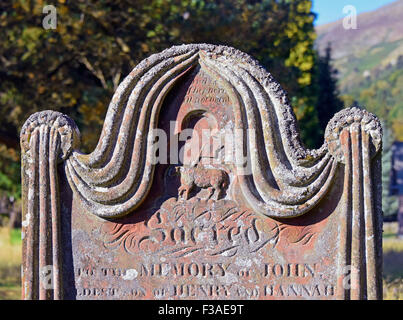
(255, 217)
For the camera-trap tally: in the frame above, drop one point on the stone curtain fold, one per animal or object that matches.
(46, 138)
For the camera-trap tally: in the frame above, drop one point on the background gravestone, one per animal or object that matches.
(292, 224)
(396, 187)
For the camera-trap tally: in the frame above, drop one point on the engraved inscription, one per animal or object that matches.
(205, 90)
(273, 284)
(214, 228)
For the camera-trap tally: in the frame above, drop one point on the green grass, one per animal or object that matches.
(15, 237)
(392, 263)
(10, 292)
(10, 264)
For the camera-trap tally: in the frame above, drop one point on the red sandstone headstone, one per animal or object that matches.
(222, 202)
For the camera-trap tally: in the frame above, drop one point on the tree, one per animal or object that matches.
(328, 101)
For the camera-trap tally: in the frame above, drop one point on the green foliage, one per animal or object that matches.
(10, 172)
(76, 68)
(382, 94)
(328, 102)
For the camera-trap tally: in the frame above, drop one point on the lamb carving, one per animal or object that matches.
(216, 181)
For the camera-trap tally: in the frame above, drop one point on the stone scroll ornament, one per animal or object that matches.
(286, 183)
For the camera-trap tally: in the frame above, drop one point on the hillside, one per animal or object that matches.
(370, 61)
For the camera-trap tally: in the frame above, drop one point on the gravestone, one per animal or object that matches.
(199, 188)
(396, 184)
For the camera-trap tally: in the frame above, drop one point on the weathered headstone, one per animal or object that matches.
(396, 185)
(199, 188)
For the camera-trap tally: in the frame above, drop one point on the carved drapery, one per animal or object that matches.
(354, 138)
(301, 176)
(115, 178)
(46, 138)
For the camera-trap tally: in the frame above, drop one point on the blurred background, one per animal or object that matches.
(326, 54)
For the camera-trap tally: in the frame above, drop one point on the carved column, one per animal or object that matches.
(354, 139)
(47, 138)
